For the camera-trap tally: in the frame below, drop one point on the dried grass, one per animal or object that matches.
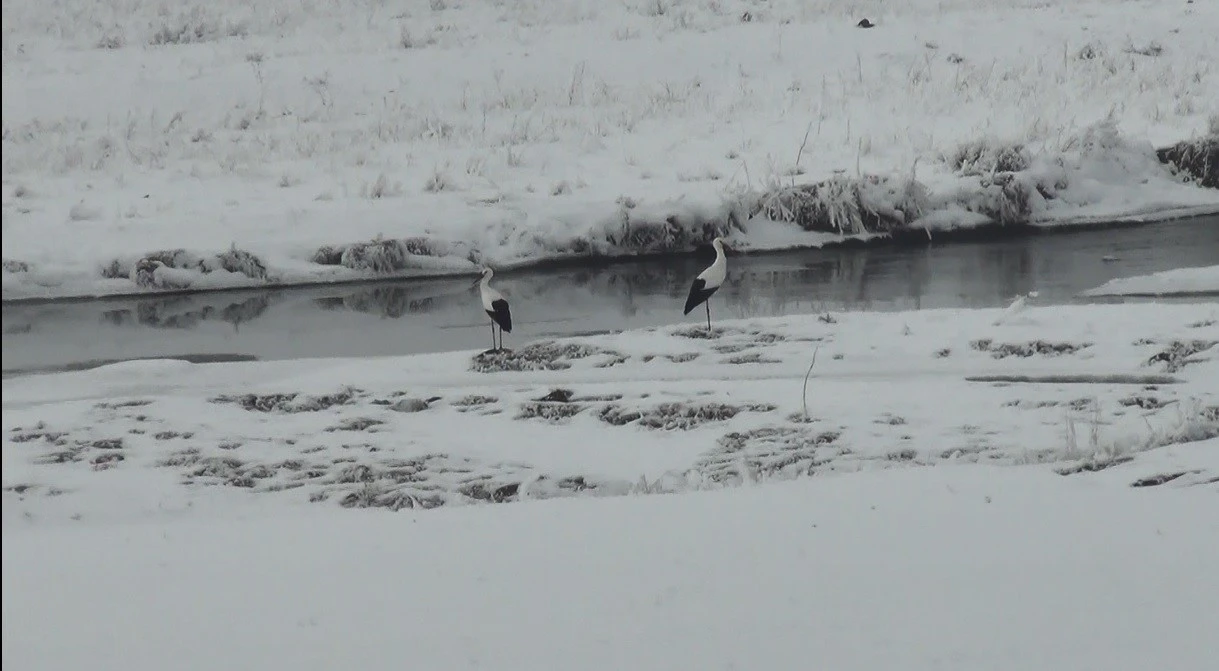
(290, 402)
(1180, 353)
(987, 157)
(845, 205)
(1027, 349)
(546, 355)
(142, 270)
(1195, 160)
(677, 416)
(388, 256)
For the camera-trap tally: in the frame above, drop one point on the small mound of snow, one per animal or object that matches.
(1200, 280)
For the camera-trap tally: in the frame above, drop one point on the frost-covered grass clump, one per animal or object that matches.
(1197, 159)
(846, 206)
(388, 256)
(544, 355)
(180, 269)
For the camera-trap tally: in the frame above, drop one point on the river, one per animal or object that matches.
(416, 316)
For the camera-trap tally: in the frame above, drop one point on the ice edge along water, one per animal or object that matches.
(237, 145)
(1202, 280)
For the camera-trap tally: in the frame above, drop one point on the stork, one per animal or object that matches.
(496, 308)
(708, 281)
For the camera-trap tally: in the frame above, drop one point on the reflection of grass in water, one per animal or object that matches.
(393, 301)
(179, 312)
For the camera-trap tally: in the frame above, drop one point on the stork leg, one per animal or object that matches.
(492, 336)
(500, 347)
(708, 304)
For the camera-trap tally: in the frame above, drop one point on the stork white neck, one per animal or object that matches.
(714, 275)
(487, 276)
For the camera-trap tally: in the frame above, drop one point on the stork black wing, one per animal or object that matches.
(698, 293)
(500, 314)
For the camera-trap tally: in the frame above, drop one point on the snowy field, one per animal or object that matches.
(1031, 487)
(660, 410)
(958, 568)
(151, 145)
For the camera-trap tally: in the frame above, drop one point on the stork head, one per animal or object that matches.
(718, 241)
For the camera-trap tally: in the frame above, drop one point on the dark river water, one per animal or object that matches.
(417, 316)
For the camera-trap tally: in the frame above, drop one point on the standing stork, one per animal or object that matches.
(496, 308)
(708, 281)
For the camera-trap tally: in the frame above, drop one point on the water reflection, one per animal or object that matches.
(186, 312)
(443, 314)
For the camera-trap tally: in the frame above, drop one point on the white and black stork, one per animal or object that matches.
(708, 281)
(496, 308)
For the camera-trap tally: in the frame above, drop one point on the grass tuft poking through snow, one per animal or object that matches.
(847, 206)
(979, 157)
(181, 269)
(1198, 159)
(546, 355)
(386, 256)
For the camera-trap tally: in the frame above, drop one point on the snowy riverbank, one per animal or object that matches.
(223, 144)
(968, 489)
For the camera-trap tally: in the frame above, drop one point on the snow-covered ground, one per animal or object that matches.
(1022, 488)
(1180, 281)
(152, 145)
(956, 568)
(666, 409)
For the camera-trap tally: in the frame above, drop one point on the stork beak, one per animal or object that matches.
(475, 282)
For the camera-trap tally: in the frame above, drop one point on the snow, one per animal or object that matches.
(672, 505)
(663, 409)
(1179, 281)
(464, 131)
(958, 568)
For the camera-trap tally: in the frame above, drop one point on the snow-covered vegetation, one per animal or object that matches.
(185, 145)
(660, 410)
